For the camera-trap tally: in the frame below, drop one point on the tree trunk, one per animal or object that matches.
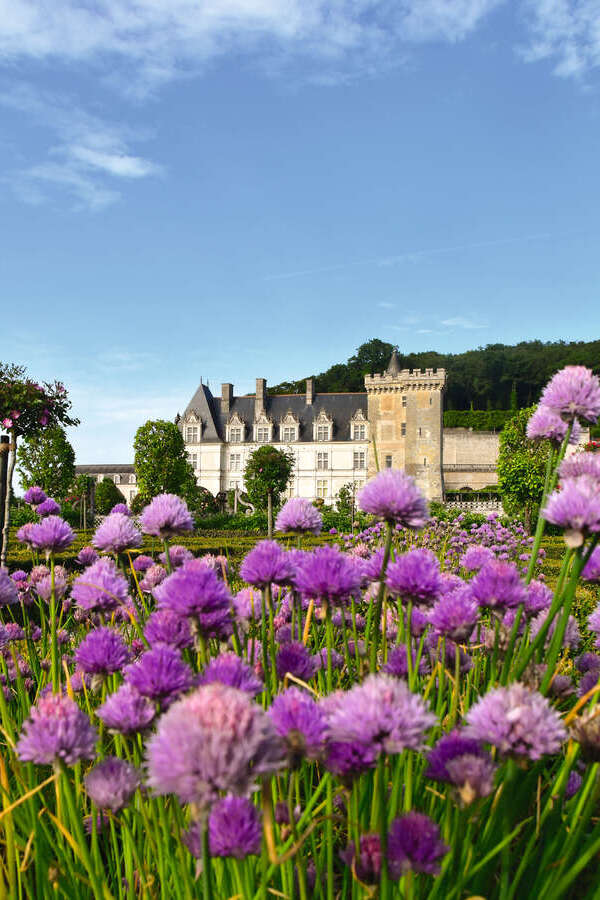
(11, 468)
(269, 515)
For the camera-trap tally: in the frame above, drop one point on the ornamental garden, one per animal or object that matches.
(406, 709)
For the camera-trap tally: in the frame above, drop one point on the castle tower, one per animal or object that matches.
(406, 425)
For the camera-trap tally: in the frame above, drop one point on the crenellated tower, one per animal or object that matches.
(406, 422)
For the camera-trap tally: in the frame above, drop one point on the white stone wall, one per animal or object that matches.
(220, 467)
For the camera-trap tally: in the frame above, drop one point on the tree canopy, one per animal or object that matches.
(521, 468)
(497, 376)
(47, 458)
(107, 495)
(160, 461)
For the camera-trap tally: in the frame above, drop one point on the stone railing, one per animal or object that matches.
(476, 505)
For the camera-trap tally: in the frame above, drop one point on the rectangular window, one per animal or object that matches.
(322, 432)
(191, 434)
(419, 432)
(388, 462)
(262, 435)
(193, 460)
(425, 462)
(322, 461)
(403, 429)
(360, 432)
(322, 488)
(235, 435)
(359, 459)
(404, 401)
(235, 462)
(431, 401)
(288, 433)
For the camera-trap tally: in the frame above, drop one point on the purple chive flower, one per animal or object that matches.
(295, 659)
(449, 747)
(455, 615)
(588, 662)
(571, 638)
(48, 507)
(476, 556)
(498, 585)
(102, 652)
(266, 563)
(23, 534)
(247, 604)
(368, 864)
(142, 563)
(414, 843)
(112, 783)
(577, 464)
(121, 508)
(87, 556)
(591, 570)
(415, 576)
(298, 514)
(539, 598)
(166, 627)
(329, 575)
(160, 674)
(34, 496)
(165, 516)
(229, 669)
(473, 776)
(178, 554)
(373, 565)
(215, 739)
(100, 587)
(43, 587)
(518, 721)
(300, 722)
(381, 713)
(126, 711)
(9, 592)
(154, 576)
(320, 659)
(392, 495)
(116, 533)
(576, 508)
(51, 534)
(234, 829)
(197, 593)
(349, 758)
(397, 662)
(574, 782)
(573, 392)
(56, 730)
(546, 424)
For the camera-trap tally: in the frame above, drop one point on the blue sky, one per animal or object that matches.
(243, 188)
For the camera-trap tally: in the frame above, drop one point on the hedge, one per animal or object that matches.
(477, 419)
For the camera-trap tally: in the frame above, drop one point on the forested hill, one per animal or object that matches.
(494, 377)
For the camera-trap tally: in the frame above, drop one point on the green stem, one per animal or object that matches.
(372, 633)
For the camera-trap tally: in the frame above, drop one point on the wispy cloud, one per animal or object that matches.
(86, 155)
(157, 40)
(566, 32)
(462, 322)
(385, 305)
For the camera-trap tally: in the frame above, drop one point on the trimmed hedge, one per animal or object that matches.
(478, 419)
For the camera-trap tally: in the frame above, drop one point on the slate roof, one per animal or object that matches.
(106, 469)
(340, 407)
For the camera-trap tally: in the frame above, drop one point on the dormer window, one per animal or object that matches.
(191, 434)
(288, 428)
(236, 430)
(288, 433)
(359, 426)
(132, 479)
(263, 429)
(117, 479)
(322, 427)
(262, 434)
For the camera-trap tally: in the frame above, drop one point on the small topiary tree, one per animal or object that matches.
(521, 468)
(160, 461)
(266, 476)
(107, 496)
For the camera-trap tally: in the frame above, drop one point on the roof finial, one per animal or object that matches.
(394, 364)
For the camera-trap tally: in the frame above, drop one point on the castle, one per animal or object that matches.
(335, 439)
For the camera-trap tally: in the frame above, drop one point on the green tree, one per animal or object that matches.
(267, 474)
(107, 496)
(521, 468)
(47, 459)
(160, 461)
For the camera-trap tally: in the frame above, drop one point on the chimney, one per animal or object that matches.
(261, 397)
(310, 391)
(226, 398)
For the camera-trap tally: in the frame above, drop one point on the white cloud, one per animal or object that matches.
(158, 39)
(566, 32)
(89, 155)
(385, 305)
(462, 322)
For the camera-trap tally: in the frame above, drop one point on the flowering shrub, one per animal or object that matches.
(408, 714)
